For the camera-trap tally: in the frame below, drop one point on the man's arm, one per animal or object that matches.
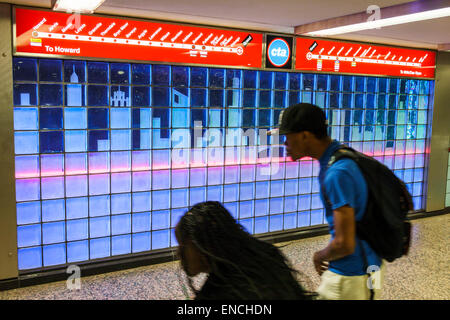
(343, 243)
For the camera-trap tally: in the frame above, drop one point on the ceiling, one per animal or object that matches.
(276, 16)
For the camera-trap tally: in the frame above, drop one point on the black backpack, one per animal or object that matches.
(384, 225)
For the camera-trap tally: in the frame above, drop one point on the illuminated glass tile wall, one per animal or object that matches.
(447, 196)
(108, 156)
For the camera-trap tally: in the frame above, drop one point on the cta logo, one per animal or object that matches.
(279, 53)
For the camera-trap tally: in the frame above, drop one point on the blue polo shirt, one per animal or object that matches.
(344, 184)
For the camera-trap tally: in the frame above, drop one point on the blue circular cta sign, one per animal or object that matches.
(279, 52)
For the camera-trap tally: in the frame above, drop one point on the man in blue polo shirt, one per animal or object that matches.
(344, 263)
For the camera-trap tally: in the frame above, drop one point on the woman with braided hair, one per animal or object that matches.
(239, 266)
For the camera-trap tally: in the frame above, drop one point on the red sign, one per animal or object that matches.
(54, 33)
(335, 57)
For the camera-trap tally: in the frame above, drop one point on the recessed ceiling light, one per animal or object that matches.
(81, 6)
(414, 17)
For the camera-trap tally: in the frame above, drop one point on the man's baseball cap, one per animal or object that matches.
(301, 117)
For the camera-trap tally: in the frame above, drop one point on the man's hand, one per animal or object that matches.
(319, 264)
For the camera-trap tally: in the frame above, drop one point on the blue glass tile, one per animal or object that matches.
(230, 192)
(161, 179)
(141, 242)
(51, 142)
(262, 190)
(214, 193)
(27, 166)
(198, 77)
(265, 80)
(121, 244)
(290, 221)
(50, 95)
(54, 254)
(161, 200)
(180, 118)
(261, 207)
(24, 69)
(98, 118)
(276, 205)
(280, 82)
(120, 118)
(98, 95)
(75, 95)
(291, 187)
(98, 140)
(276, 188)
(246, 191)
(99, 184)
(180, 178)
(160, 239)
(75, 118)
(160, 75)
(99, 162)
(198, 177)
(140, 74)
(53, 210)
(316, 217)
(29, 258)
(77, 208)
(77, 229)
(98, 72)
(316, 203)
(176, 215)
(216, 118)
(250, 78)
(180, 76)
(120, 139)
(120, 203)
(74, 71)
(303, 219)
(75, 141)
(77, 251)
(50, 70)
(141, 181)
(249, 99)
(100, 248)
(53, 232)
(160, 219)
(264, 119)
(141, 96)
(198, 98)
(99, 206)
(276, 223)
(304, 202)
(26, 119)
(29, 235)
(52, 188)
(233, 78)
(141, 118)
(50, 118)
(120, 73)
(99, 227)
(141, 201)
(261, 224)
(216, 78)
(161, 118)
(294, 81)
(141, 222)
(121, 224)
(120, 161)
(245, 209)
(290, 204)
(249, 118)
(28, 212)
(197, 195)
(231, 174)
(180, 97)
(25, 94)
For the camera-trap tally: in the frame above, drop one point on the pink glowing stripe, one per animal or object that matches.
(201, 164)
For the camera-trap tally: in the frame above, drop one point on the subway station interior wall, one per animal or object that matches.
(103, 170)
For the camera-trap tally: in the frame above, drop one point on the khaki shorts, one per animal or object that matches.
(334, 286)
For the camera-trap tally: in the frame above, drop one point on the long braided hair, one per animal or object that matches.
(244, 266)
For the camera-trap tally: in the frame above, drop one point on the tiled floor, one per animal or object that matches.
(423, 274)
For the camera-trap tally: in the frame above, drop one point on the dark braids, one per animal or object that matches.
(246, 267)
